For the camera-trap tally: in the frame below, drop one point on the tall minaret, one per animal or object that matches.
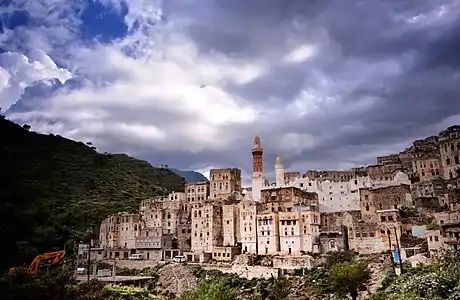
(257, 168)
(279, 172)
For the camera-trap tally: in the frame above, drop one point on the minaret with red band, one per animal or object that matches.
(257, 154)
(257, 168)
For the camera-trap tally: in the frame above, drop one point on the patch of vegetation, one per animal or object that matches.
(440, 280)
(432, 226)
(349, 278)
(54, 189)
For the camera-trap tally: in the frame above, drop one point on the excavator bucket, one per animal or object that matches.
(55, 258)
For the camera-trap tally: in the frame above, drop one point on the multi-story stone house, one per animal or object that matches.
(224, 182)
(427, 167)
(207, 230)
(197, 192)
(336, 196)
(248, 229)
(449, 145)
(380, 227)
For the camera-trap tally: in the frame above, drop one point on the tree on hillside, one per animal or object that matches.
(349, 278)
(26, 127)
(211, 290)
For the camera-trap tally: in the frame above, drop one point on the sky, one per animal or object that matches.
(188, 83)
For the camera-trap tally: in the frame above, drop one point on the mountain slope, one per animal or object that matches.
(190, 176)
(54, 188)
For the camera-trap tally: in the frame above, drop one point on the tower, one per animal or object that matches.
(257, 168)
(257, 154)
(279, 172)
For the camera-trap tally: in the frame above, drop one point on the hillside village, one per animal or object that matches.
(407, 201)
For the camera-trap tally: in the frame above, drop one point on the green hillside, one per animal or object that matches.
(52, 189)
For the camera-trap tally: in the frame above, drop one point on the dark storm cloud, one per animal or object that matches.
(403, 104)
(385, 72)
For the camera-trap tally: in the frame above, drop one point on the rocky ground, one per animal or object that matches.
(176, 278)
(380, 266)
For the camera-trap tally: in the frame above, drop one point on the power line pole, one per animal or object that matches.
(399, 251)
(89, 231)
(391, 251)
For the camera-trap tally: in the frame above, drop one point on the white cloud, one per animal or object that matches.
(300, 54)
(160, 102)
(18, 71)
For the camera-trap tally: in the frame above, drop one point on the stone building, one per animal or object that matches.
(197, 192)
(334, 229)
(332, 175)
(284, 199)
(299, 231)
(224, 182)
(434, 241)
(383, 172)
(206, 228)
(120, 230)
(248, 236)
(336, 196)
(451, 234)
(391, 159)
(427, 167)
(380, 227)
(288, 218)
(231, 224)
(268, 236)
(384, 198)
(449, 145)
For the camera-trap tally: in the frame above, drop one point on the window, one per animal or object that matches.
(436, 238)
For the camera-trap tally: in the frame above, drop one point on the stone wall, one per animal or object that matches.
(135, 264)
(248, 272)
(293, 262)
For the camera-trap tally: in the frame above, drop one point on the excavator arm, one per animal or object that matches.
(55, 258)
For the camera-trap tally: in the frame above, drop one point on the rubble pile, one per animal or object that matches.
(380, 267)
(176, 278)
(245, 260)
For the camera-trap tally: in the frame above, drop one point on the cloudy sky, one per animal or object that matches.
(326, 84)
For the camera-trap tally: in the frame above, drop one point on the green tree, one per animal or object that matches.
(211, 290)
(348, 278)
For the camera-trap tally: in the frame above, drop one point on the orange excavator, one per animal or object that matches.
(54, 257)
